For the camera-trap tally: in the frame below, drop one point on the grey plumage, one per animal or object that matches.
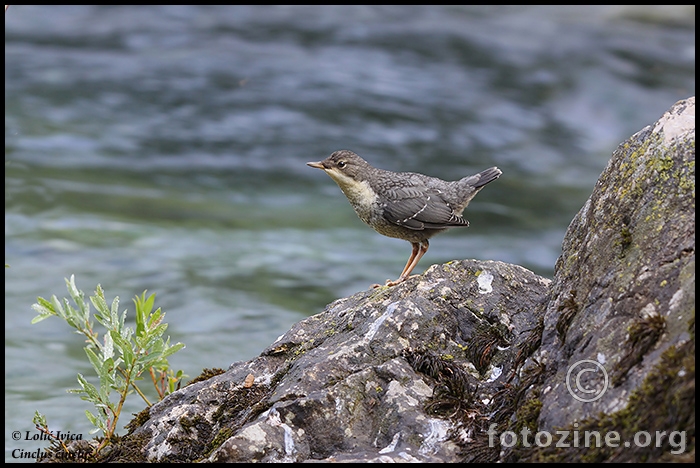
(405, 205)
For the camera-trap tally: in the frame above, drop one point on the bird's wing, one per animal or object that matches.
(420, 208)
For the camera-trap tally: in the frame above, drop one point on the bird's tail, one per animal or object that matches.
(482, 178)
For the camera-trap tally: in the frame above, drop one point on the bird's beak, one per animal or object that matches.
(317, 165)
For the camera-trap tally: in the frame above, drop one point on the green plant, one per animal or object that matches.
(42, 426)
(120, 358)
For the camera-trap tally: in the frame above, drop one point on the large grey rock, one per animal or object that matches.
(623, 298)
(353, 382)
(466, 361)
(627, 262)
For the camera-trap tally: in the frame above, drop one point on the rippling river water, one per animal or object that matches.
(164, 148)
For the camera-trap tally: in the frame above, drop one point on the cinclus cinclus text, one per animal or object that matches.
(406, 205)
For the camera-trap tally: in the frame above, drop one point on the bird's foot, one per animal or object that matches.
(390, 283)
(395, 282)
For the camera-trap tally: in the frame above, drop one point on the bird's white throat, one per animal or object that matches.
(359, 193)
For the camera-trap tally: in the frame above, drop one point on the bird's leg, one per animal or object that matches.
(422, 249)
(409, 264)
(416, 248)
(419, 249)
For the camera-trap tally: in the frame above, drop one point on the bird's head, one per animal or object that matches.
(343, 166)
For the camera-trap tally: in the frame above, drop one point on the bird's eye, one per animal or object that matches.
(342, 164)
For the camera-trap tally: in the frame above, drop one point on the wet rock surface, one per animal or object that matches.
(353, 382)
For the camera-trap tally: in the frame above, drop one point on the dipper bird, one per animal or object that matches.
(406, 205)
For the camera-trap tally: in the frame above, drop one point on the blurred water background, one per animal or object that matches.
(163, 148)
